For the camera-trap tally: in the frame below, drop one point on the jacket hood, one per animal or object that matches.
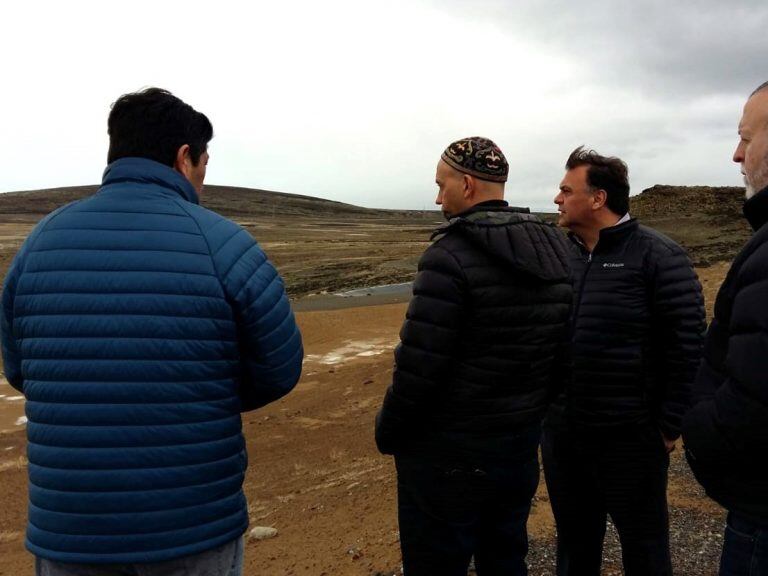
(517, 237)
(143, 170)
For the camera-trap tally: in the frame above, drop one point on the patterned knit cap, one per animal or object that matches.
(478, 157)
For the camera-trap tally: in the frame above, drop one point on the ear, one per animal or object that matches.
(469, 186)
(599, 198)
(183, 162)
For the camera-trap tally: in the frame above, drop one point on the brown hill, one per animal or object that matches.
(706, 220)
(232, 201)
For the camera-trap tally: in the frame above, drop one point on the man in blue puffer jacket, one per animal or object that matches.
(139, 325)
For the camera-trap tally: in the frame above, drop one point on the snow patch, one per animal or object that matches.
(352, 349)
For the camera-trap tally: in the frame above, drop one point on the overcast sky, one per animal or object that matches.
(355, 100)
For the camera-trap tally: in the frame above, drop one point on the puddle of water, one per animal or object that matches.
(21, 421)
(403, 288)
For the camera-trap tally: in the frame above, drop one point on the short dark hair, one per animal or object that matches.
(154, 124)
(604, 173)
(762, 86)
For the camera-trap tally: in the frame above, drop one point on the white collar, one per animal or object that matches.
(623, 219)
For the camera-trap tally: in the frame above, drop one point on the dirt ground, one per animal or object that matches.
(316, 477)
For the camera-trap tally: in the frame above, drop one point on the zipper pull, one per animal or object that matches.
(589, 258)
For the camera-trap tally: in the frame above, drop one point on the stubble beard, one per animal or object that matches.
(749, 191)
(758, 180)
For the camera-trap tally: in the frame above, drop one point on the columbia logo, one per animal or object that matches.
(613, 265)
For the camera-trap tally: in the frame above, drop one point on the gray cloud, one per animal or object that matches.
(677, 49)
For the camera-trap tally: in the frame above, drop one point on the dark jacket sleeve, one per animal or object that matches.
(679, 324)
(429, 342)
(271, 350)
(730, 422)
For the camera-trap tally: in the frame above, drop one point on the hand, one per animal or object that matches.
(669, 444)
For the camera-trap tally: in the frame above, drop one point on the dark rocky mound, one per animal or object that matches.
(707, 220)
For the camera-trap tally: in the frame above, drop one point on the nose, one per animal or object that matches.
(558, 199)
(439, 199)
(738, 154)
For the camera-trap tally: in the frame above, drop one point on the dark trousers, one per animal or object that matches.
(449, 512)
(745, 548)
(621, 473)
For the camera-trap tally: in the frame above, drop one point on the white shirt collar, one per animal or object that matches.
(623, 219)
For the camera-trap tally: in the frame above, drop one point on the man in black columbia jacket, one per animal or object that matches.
(726, 433)
(474, 373)
(637, 325)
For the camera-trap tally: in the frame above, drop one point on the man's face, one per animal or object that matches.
(450, 190)
(574, 201)
(752, 150)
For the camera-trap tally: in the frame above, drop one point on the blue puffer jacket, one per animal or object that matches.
(134, 321)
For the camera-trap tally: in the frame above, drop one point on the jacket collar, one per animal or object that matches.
(609, 236)
(145, 171)
(490, 205)
(756, 209)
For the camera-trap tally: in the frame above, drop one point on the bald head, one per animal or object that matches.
(760, 88)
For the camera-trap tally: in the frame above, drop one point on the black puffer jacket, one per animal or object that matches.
(726, 432)
(638, 325)
(474, 368)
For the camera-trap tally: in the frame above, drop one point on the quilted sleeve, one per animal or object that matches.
(270, 343)
(679, 325)
(429, 341)
(731, 424)
(11, 355)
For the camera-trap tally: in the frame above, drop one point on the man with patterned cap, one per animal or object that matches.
(474, 373)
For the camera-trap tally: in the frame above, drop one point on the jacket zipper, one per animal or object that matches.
(581, 294)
